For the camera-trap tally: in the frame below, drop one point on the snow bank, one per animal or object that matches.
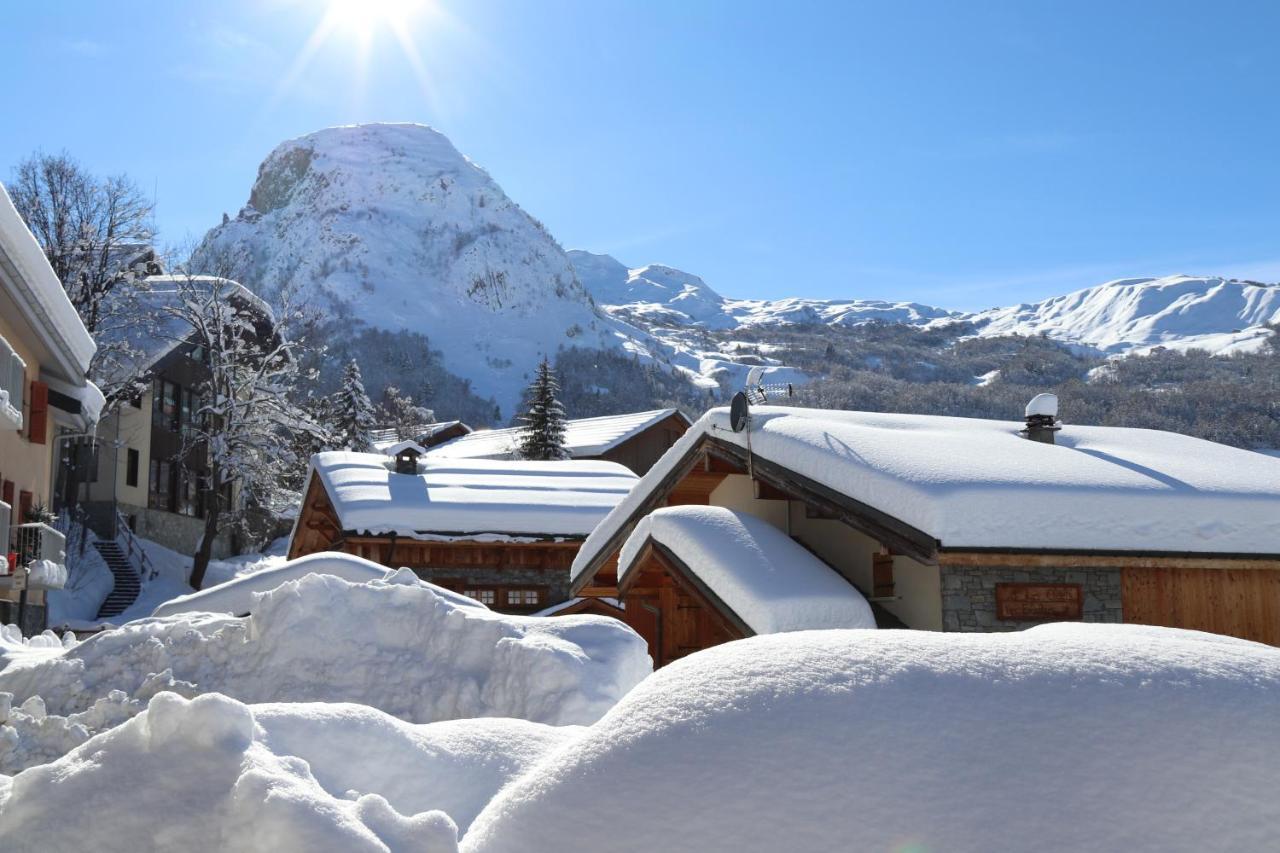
(455, 766)
(399, 645)
(236, 596)
(200, 772)
(769, 581)
(470, 496)
(1079, 737)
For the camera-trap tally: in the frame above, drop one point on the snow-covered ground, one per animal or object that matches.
(1065, 737)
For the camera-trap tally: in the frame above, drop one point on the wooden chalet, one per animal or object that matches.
(959, 524)
(502, 532)
(636, 440)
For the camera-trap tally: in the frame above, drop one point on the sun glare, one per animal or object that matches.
(362, 18)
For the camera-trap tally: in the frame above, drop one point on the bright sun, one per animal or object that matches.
(363, 17)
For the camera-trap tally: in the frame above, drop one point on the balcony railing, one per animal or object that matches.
(36, 542)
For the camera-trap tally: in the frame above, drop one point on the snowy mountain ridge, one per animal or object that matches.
(390, 227)
(1118, 317)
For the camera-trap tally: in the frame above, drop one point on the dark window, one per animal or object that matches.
(171, 394)
(131, 468)
(161, 492)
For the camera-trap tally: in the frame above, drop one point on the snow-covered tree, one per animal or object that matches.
(352, 412)
(244, 422)
(543, 434)
(401, 413)
(96, 232)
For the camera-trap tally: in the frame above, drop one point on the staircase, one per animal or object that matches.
(126, 588)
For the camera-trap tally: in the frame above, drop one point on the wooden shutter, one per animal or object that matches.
(25, 500)
(882, 576)
(6, 493)
(39, 421)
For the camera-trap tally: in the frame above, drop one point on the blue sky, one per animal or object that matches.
(960, 154)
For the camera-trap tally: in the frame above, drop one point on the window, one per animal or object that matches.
(131, 468)
(488, 597)
(161, 492)
(523, 597)
(171, 394)
(188, 493)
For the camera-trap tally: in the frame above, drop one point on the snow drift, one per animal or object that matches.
(205, 774)
(1084, 737)
(399, 645)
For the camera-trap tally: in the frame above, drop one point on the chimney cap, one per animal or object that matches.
(1043, 405)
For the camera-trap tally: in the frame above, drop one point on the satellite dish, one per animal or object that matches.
(754, 375)
(739, 412)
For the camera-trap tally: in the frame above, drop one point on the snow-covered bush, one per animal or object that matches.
(1070, 737)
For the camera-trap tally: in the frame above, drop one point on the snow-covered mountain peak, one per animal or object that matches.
(391, 226)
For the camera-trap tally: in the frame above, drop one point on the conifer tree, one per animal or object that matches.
(543, 434)
(353, 418)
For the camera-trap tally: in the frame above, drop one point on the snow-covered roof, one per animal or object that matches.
(582, 437)
(49, 310)
(157, 330)
(972, 483)
(384, 438)
(470, 497)
(770, 582)
(401, 446)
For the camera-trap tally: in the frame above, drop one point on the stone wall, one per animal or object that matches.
(177, 532)
(969, 595)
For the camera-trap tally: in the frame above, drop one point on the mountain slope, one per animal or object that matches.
(662, 295)
(1135, 314)
(388, 225)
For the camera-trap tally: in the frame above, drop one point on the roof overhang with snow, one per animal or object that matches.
(30, 289)
(932, 487)
(470, 500)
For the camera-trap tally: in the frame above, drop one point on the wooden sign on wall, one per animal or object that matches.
(1039, 602)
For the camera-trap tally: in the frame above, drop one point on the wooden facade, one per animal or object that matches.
(641, 451)
(673, 610)
(516, 577)
(1232, 594)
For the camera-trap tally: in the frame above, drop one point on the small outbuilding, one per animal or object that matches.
(962, 524)
(636, 440)
(501, 532)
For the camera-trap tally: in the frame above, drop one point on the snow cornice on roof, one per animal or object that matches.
(33, 283)
(583, 436)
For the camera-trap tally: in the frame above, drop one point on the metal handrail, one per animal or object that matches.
(38, 541)
(146, 571)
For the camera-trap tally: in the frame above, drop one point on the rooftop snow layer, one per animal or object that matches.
(385, 438)
(769, 581)
(1062, 737)
(972, 483)
(471, 496)
(582, 437)
(41, 286)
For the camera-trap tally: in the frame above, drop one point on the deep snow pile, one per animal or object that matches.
(200, 774)
(1081, 737)
(400, 645)
(235, 595)
(772, 583)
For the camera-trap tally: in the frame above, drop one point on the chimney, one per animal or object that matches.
(407, 459)
(1042, 418)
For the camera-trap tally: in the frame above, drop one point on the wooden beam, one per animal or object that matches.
(1099, 560)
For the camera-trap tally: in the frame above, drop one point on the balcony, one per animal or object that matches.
(36, 548)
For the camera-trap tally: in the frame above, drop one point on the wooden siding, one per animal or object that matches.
(1237, 602)
(642, 450)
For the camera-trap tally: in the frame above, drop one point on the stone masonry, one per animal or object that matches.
(969, 595)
